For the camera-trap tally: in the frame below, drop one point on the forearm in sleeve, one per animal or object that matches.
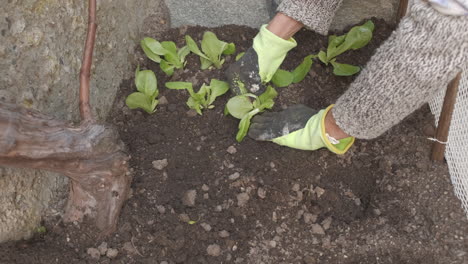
(418, 60)
(317, 15)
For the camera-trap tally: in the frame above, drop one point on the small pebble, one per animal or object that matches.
(224, 234)
(93, 253)
(261, 193)
(317, 229)
(218, 208)
(112, 253)
(242, 199)
(161, 209)
(103, 248)
(309, 218)
(213, 250)
(231, 150)
(206, 226)
(205, 188)
(163, 100)
(296, 187)
(234, 176)
(327, 223)
(160, 164)
(184, 218)
(189, 198)
(272, 243)
(319, 191)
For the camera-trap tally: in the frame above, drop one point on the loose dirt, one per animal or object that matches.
(219, 201)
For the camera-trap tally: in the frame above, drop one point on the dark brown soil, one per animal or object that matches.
(383, 202)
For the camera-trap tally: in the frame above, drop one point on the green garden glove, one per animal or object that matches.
(298, 127)
(271, 51)
(259, 63)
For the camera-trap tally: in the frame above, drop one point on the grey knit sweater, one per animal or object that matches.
(417, 61)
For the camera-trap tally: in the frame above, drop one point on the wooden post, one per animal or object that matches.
(402, 9)
(438, 149)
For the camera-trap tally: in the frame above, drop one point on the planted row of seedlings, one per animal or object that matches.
(243, 106)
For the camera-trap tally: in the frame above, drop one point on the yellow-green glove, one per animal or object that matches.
(298, 127)
(259, 63)
(271, 51)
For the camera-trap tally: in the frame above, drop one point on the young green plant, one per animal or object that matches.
(145, 98)
(205, 97)
(246, 106)
(283, 78)
(166, 54)
(211, 50)
(356, 38)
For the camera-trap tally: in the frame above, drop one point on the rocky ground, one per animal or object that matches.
(198, 196)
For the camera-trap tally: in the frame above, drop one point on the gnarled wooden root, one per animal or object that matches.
(91, 155)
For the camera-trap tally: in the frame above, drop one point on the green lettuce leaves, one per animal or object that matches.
(165, 53)
(246, 106)
(211, 50)
(145, 98)
(205, 97)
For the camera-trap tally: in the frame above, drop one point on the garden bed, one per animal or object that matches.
(382, 202)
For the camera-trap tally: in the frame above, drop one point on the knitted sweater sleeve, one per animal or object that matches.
(316, 15)
(418, 60)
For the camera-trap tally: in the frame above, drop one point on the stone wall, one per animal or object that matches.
(41, 43)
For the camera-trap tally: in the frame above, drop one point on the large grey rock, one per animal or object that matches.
(212, 13)
(41, 43)
(254, 13)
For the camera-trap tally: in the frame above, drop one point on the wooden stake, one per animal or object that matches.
(438, 149)
(402, 9)
(85, 72)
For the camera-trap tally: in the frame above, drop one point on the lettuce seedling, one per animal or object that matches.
(173, 58)
(247, 105)
(284, 78)
(145, 98)
(356, 38)
(204, 98)
(211, 50)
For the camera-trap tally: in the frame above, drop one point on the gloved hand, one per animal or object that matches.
(298, 127)
(259, 63)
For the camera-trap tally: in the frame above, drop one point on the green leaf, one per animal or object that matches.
(267, 98)
(230, 49)
(194, 104)
(356, 38)
(244, 124)
(182, 53)
(192, 45)
(140, 100)
(217, 88)
(282, 78)
(205, 63)
(169, 46)
(341, 69)
(333, 43)
(179, 85)
(323, 57)
(167, 68)
(239, 56)
(300, 72)
(146, 82)
(238, 106)
(152, 49)
(213, 48)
